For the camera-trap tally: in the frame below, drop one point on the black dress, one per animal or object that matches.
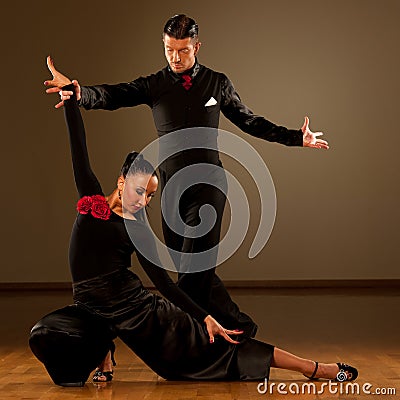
(171, 340)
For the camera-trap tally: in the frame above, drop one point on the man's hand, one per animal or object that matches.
(310, 138)
(58, 82)
(214, 328)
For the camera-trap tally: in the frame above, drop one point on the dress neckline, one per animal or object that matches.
(125, 219)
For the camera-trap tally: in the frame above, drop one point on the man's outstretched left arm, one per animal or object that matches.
(255, 125)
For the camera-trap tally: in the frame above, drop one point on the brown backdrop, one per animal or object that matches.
(335, 61)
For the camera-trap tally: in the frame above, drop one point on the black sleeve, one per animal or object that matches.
(255, 125)
(86, 181)
(146, 250)
(111, 97)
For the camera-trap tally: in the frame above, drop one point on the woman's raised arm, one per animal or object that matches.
(86, 181)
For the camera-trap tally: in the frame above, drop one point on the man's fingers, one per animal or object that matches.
(77, 89)
(321, 141)
(59, 105)
(305, 125)
(53, 90)
(319, 144)
(65, 93)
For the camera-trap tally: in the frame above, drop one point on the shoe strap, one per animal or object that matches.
(315, 370)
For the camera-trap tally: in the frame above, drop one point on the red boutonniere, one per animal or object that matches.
(97, 205)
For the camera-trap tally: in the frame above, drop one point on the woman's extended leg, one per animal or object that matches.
(285, 360)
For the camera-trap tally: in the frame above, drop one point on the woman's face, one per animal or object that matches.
(137, 191)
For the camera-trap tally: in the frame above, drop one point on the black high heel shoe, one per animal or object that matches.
(98, 376)
(346, 373)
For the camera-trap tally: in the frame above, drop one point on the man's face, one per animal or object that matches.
(180, 53)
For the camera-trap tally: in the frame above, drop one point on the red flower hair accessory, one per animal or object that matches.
(97, 205)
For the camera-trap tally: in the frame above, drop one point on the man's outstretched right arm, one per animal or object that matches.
(112, 97)
(107, 97)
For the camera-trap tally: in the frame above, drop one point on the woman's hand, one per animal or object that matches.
(58, 82)
(214, 328)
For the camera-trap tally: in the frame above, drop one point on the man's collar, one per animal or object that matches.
(192, 72)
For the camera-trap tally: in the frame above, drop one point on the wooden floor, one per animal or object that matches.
(360, 327)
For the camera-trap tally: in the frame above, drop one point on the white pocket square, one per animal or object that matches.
(211, 102)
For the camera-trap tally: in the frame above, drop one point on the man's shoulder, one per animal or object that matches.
(151, 80)
(162, 73)
(208, 70)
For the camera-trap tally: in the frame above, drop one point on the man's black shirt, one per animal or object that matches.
(176, 108)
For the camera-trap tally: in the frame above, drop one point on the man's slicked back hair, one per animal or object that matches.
(181, 27)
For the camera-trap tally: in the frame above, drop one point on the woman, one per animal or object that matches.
(170, 337)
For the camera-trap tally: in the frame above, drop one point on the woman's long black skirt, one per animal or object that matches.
(168, 340)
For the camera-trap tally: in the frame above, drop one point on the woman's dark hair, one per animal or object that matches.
(181, 27)
(136, 164)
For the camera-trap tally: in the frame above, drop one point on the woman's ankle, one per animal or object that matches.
(106, 365)
(309, 368)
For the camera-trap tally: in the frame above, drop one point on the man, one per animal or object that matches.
(183, 95)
